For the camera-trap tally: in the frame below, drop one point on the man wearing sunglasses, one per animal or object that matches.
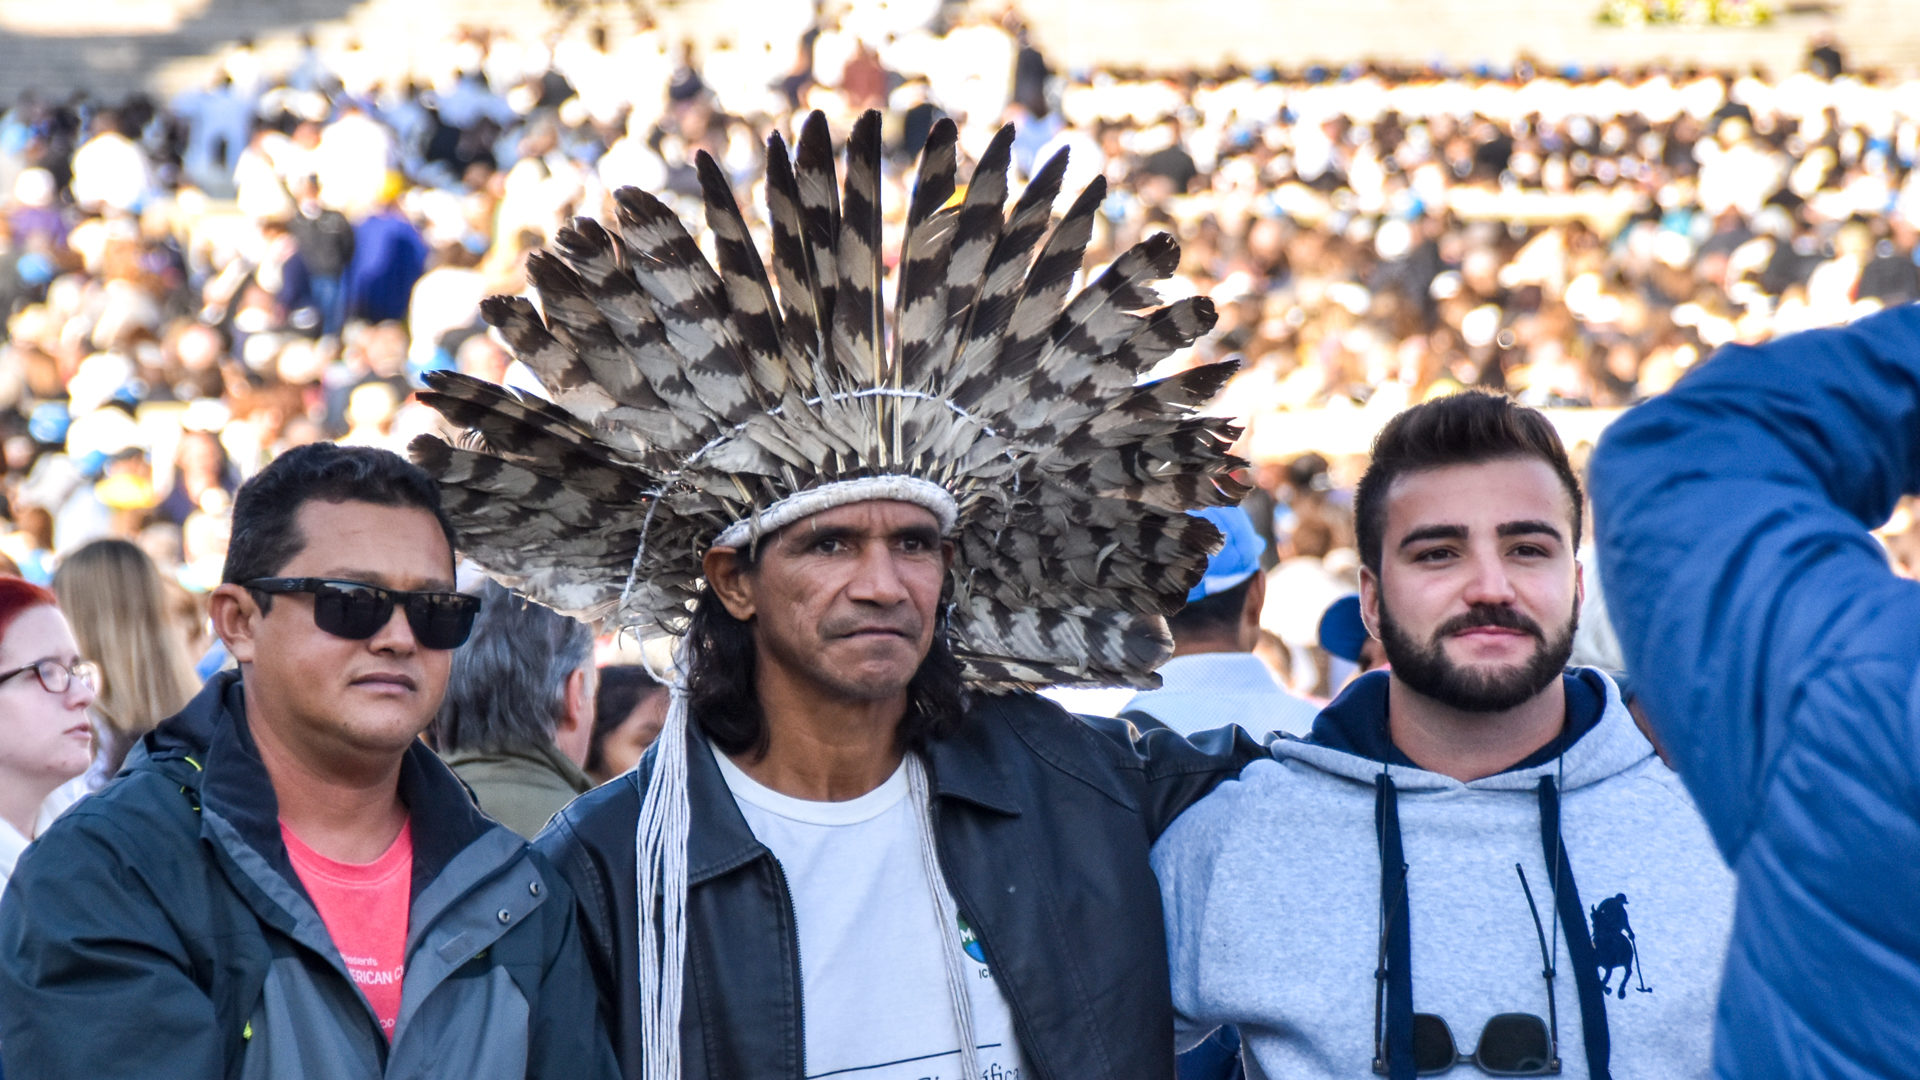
(1475, 860)
(286, 882)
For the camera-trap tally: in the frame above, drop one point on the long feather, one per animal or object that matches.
(511, 484)
(593, 253)
(1006, 273)
(1024, 646)
(978, 231)
(527, 432)
(857, 326)
(920, 291)
(560, 370)
(753, 311)
(1101, 317)
(820, 213)
(1042, 297)
(1167, 330)
(620, 355)
(692, 304)
(1145, 411)
(805, 313)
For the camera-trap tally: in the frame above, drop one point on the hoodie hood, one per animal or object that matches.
(1350, 740)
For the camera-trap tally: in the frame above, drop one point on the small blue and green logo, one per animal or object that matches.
(970, 941)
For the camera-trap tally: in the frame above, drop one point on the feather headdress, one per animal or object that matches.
(689, 399)
(696, 404)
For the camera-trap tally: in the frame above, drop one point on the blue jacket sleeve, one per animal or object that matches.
(1774, 649)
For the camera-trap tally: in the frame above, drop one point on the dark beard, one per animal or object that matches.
(1427, 669)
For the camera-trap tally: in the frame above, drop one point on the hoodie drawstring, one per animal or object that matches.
(1395, 974)
(1566, 897)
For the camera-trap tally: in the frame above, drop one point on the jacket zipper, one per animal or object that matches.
(799, 966)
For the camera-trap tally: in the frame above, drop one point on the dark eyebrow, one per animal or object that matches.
(849, 534)
(371, 577)
(926, 534)
(812, 536)
(1527, 528)
(1434, 532)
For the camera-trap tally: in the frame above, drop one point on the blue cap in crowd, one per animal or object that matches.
(1237, 560)
(49, 423)
(1342, 632)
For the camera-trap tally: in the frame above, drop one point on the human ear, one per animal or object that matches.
(235, 616)
(578, 695)
(573, 728)
(730, 581)
(1370, 602)
(1250, 611)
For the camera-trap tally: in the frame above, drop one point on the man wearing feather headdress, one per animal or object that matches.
(860, 847)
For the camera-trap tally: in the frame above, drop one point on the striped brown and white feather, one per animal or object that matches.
(692, 304)
(806, 314)
(820, 215)
(920, 292)
(752, 310)
(1004, 281)
(858, 324)
(982, 219)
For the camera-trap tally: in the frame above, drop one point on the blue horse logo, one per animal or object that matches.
(1614, 946)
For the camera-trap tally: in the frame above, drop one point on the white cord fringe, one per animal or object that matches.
(948, 915)
(660, 853)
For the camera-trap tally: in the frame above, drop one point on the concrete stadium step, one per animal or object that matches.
(113, 46)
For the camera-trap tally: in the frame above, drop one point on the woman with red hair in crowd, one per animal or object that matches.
(45, 688)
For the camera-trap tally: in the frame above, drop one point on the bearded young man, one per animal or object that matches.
(859, 847)
(1476, 856)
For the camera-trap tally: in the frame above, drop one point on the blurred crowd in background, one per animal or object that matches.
(194, 285)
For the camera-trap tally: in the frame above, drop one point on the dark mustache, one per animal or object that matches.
(1494, 615)
(908, 628)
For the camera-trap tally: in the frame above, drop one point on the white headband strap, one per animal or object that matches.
(804, 504)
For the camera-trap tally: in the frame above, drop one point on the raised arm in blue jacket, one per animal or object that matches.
(1776, 654)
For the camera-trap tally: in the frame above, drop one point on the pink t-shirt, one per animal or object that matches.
(365, 908)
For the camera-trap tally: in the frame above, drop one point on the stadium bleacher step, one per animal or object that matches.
(111, 47)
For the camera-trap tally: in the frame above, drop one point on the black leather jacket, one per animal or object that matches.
(1043, 822)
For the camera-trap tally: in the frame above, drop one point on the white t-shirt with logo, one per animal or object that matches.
(873, 980)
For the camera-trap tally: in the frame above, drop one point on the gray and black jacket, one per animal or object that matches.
(159, 930)
(1043, 823)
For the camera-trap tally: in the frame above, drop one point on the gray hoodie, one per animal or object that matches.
(1272, 895)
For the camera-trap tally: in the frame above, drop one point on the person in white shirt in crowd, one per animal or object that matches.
(353, 158)
(46, 738)
(110, 170)
(1214, 678)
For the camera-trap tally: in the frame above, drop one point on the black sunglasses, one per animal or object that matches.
(1511, 1044)
(356, 610)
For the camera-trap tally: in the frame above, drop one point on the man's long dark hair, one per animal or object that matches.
(725, 701)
